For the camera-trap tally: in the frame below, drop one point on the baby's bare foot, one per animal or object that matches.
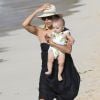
(60, 78)
(47, 73)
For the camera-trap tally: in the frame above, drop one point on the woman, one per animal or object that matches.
(49, 86)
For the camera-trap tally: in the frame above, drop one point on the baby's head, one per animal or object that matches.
(58, 25)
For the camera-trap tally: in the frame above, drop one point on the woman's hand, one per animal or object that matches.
(44, 7)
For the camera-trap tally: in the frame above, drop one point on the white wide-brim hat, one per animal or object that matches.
(49, 12)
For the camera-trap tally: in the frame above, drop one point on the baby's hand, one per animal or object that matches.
(48, 39)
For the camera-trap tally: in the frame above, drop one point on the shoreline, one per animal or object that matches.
(18, 11)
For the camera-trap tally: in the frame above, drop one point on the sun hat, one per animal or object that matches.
(49, 12)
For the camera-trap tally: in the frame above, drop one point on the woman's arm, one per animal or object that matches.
(27, 22)
(63, 48)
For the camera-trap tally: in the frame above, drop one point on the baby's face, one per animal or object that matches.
(57, 26)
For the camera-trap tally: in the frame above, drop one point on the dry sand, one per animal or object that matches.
(20, 61)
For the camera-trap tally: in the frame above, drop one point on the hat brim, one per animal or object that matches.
(46, 15)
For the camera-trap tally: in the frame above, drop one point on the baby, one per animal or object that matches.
(60, 37)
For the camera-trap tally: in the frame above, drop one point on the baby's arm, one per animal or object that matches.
(49, 35)
(53, 35)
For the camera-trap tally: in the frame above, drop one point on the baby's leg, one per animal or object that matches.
(50, 62)
(61, 60)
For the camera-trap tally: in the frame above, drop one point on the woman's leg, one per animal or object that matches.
(50, 62)
(47, 97)
(61, 60)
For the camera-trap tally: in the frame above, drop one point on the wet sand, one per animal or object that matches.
(20, 61)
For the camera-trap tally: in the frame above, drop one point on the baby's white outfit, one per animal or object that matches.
(58, 38)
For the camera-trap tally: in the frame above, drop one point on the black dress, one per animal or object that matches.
(50, 87)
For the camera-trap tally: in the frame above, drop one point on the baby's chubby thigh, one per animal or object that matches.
(51, 56)
(61, 58)
(54, 52)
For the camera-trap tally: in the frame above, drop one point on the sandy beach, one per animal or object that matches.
(20, 60)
